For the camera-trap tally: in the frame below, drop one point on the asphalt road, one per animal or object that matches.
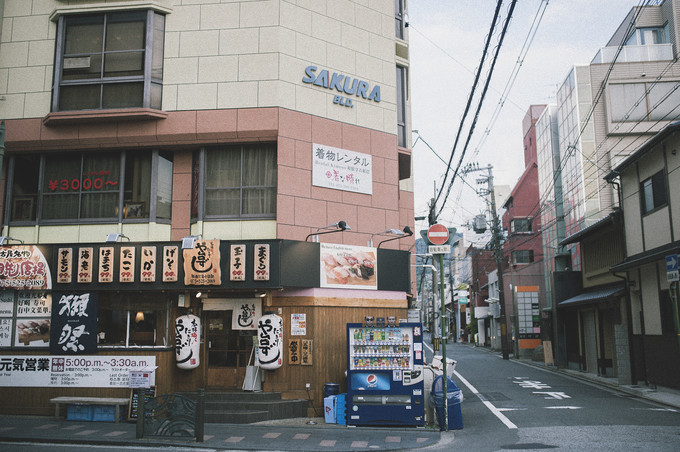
(510, 405)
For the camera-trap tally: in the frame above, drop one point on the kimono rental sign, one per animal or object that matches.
(341, 169)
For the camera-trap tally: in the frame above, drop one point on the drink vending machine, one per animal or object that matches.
(385, 384)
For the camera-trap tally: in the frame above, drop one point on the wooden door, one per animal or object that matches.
(227, 351)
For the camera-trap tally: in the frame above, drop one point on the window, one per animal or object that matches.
(109, 60)
(653, 192)
(401, 106)
(519, 225)
(114, 186)
(240, 181)
(647, 36)
(522, 257)
(644, 102)
(399, 18)
(133, 320)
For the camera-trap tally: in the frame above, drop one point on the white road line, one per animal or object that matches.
(488, 404)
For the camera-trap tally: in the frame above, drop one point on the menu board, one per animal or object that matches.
(134, 399)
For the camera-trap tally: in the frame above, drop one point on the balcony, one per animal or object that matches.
(631, 54)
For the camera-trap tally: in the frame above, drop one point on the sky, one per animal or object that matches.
(446, 40)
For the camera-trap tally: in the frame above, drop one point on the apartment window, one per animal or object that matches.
(519, 225)
(644, 102)
(399, 18)
(522, 257)
(67, 188)
(653, 192)
(401, 105)
(239, 182)
(645, 36)
(109, 61)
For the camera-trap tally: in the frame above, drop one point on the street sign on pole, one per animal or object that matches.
(438, 234)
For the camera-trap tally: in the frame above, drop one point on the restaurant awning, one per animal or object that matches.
(594, 296)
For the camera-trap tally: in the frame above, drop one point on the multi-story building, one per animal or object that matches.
(241, 157)
(524, 289)
(604, 112)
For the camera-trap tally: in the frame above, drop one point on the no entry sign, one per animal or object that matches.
(438, 234)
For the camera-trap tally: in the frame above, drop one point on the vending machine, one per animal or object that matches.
(385, 384)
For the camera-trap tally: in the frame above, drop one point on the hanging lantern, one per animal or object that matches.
(270, 341)
(187, 341)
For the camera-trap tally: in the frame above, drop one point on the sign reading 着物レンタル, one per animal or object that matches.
(342, 169)
(84, 371)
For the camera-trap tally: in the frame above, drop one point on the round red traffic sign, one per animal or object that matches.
(438, 234)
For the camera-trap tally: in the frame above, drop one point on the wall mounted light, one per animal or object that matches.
(113, 238)
(139, 317)
(335, 227)
(406, 232)
(4, 239)
(189, 242)
(199, 294)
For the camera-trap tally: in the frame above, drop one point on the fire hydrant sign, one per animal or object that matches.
(81, 371)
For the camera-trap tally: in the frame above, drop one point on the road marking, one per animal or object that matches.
(488, 404)
(562, 407)
(553, 395)
(512, 409)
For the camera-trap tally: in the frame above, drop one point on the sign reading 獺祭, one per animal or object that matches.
(341, 169)
(24, 267)
(94, 371)
(74, 324)
(348, 267)
(202, 264)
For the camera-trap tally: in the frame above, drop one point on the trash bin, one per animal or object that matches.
(330, 389)
(454, 398)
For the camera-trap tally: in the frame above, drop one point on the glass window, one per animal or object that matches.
(240, 181)
(102, 61)
(401, 106)
(399, 18)
(133, 320)
(520, 225)
(78, 187)
(653, 191)
(645, 102)
(522, 256)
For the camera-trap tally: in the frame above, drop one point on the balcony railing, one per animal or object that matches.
(630, 54)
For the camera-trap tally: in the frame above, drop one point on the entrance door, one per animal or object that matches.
(228, 351)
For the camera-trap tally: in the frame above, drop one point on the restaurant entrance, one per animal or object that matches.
(227, 350)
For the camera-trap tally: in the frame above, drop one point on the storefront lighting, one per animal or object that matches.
(335, 227)
(139, 317)
(189, 242)
(4, 239)
(398, 234)
(199, 293)
(113, 238)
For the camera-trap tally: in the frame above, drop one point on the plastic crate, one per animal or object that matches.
(105, 413)
(78, 412)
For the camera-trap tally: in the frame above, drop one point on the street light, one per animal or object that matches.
(406, 232)
(340, 227)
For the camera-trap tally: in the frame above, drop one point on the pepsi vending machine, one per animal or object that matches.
(385, 383)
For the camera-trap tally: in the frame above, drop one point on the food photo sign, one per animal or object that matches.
(348, 267)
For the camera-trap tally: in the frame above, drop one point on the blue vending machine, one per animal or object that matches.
(385, 383)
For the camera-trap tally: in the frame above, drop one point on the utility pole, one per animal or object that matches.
(497, 244)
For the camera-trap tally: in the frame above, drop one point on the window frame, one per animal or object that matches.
(529, 255)
(200, 185)
(655, 185)
(149, 78)
(521, 220)
(400, 18)
(119, 218)
(402, 100)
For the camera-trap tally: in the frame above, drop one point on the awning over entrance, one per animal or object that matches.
(594, 296)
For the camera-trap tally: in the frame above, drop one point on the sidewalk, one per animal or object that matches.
(284, 435)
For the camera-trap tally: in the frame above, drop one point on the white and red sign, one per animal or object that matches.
(438, 234)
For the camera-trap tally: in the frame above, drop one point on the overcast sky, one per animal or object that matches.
(446, 39)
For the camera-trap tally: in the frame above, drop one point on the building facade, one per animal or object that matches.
(241, 158)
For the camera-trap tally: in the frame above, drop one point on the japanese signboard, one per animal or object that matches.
(127, 264)
(187, 341)
(71, 371)
(246, 313)
(261, 262)
(294, 352)
(306, 352)
(202, 264)
(24, 268)
(298, 324)
(33, 319)
(348, 267)
(342, 169)
(85, 265)
(106, 264)
(65, 265)
(170, 264)
(270, 341)
(237, 263)
(74, 324)
(148, 264)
